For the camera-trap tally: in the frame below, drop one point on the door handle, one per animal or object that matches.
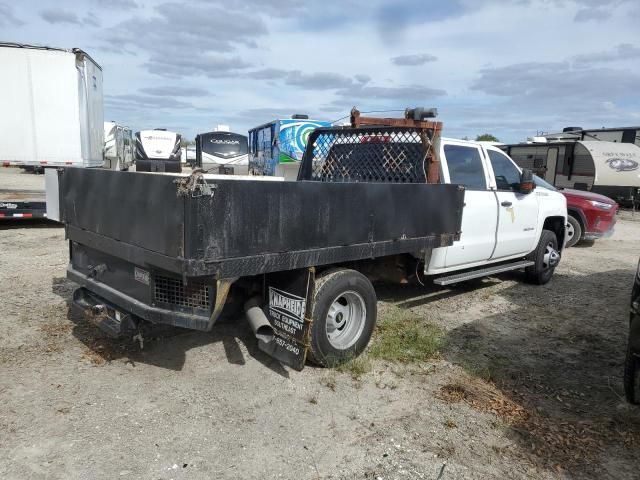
(506, 204)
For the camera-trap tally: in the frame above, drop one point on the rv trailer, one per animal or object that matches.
(276, 148)
(188, 155)
(222, 151)
(617, 135)
(158, 150)
(118, 146)
(608, 168)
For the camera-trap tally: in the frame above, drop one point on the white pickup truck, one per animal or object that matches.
(504, 226)
(300, 256)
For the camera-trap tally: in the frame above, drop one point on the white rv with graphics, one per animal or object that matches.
(158, 150)
(118, 146)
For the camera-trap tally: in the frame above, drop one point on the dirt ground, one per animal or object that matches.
(527, 384)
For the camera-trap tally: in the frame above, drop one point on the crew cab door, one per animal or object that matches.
(518, 212)
(464, 164)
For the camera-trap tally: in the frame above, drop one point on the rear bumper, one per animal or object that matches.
(117, 300)
(598, 235)
(20, 209)
(152, 165)
(11, 215)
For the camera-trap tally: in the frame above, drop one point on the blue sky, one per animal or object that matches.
(508, 68)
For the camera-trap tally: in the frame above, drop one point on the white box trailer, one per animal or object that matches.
(52, 113)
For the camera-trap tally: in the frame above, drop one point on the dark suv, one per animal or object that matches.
(589, 215)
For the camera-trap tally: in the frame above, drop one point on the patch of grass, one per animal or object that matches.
(483, 372)
(356, 367)
(402, 336)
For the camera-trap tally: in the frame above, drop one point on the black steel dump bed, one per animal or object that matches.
(361, 193)
(227, 228)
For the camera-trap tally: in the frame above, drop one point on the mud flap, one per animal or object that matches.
(287, 305)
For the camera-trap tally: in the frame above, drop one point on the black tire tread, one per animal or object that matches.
(326, 279)
(629, 379)
(577, 227)
(535, 274)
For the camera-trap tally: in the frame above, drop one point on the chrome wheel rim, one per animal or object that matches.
(551, 257)
(346, 320)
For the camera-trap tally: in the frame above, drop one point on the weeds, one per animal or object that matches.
(356, 367)
(403, 337)
(483, 372)
(400, 337)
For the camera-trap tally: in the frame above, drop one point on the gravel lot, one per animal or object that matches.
(527, 384)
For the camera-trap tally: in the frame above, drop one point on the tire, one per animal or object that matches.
(344, 314)
(574, 231)
(632, 378)
(541, 272)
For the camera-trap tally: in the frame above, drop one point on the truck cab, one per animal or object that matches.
(501, 222)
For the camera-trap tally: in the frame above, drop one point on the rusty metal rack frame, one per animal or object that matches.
(374, 150)
(429, 132)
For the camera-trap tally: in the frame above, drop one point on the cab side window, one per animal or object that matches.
(465, 166)
(506, 173)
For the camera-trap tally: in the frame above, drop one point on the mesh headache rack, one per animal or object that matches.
(387, 150)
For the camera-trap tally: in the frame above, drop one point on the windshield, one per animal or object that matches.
(542, 183)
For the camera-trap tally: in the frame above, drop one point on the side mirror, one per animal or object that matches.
(526, 182)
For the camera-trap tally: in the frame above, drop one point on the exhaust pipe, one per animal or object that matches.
(258, 321)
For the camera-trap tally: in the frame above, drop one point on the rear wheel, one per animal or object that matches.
(574, 231)
(344, 315)
(546, 258)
